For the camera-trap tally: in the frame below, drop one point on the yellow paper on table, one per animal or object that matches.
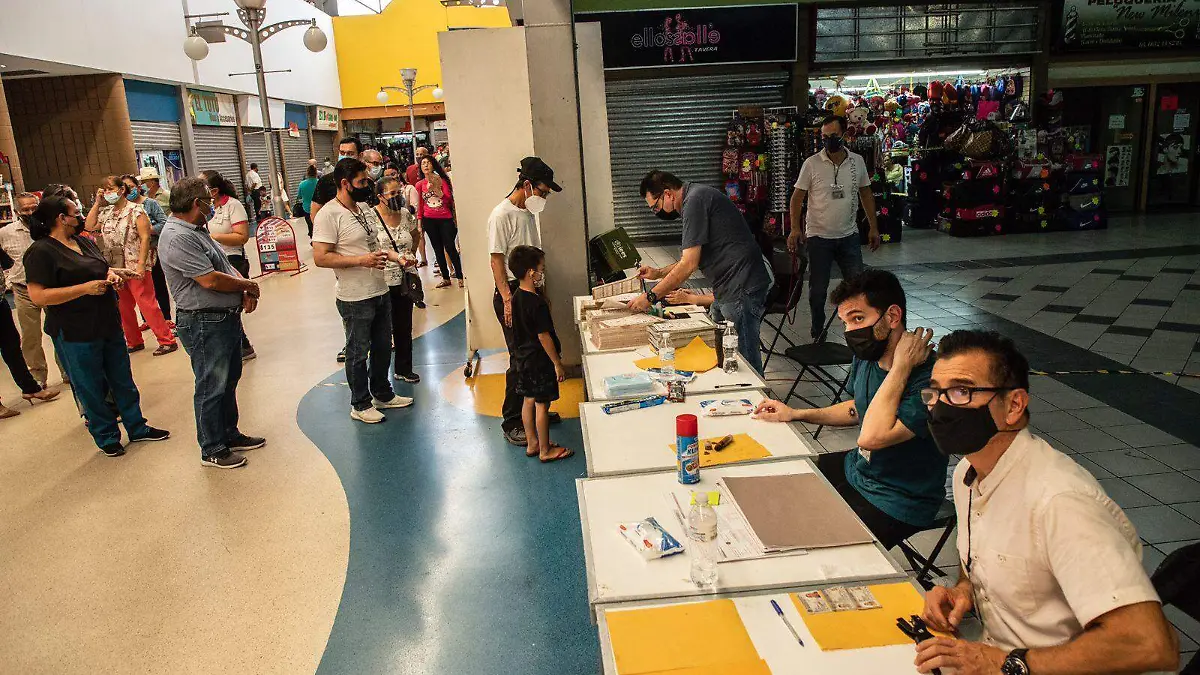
(743, 449)
(863, 628)
(758, 667)
(697, 357)
(678, 637)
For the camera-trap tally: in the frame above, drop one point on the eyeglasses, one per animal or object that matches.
(658, 206)
(541, 192)
(956, 395)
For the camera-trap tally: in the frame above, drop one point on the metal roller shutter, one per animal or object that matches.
(216, 149)
(256, 152)
(325, 144)
(156, 136)
(295, 155)
(677, 125)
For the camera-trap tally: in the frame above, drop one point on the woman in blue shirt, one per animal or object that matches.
(304, 194)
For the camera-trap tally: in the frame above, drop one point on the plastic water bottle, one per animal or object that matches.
(666, 354)
(729, 344)
(702, 531)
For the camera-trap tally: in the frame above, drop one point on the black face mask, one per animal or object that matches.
(832, 143)
(28, 220)
(960, 431)
(395, 203)
(667, 215)
(361, 194)
(864, 344)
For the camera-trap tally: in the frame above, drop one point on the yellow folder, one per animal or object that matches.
(862, 628)
(692, 639)
(696, 357)
(743, 449)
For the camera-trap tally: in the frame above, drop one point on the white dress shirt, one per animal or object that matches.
(1049, 551)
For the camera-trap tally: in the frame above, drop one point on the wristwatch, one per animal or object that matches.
(1015, 663)
(651, 297)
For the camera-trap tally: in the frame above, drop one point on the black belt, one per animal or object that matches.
(210, 310)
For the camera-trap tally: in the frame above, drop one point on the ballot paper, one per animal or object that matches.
(630, 286)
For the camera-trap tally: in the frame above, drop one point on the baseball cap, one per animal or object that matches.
(537, 171)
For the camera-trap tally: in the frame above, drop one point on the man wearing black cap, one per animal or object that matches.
(513, 223)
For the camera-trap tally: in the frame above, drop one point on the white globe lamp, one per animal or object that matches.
(382, 97)
(438, 93)
(314, 38)
(195, 46)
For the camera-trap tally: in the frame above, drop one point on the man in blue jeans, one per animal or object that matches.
(834, 182)
(210, 297)
(717, 240)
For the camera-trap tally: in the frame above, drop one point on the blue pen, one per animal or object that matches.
(786, 622)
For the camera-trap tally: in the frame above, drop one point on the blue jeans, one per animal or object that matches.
(368, 325)
(822, 253)
(96, 369)
(213, 341)
(746, 312)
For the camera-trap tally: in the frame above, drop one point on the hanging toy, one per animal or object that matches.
(837, 105)
(754, 133)
(746, 169)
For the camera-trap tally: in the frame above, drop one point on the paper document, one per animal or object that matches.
(863, 628)
(795, 511)
(622, 287)
(678, 637)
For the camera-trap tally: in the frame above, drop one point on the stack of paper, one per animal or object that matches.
(630, 286)
(682, 331)
(794, 511)
(625, 332)
(616, 306)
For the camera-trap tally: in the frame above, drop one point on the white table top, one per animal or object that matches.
(775, 643)
(615, 572)
(640, 441)
(597, 366)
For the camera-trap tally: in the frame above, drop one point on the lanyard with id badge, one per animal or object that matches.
(837, 190)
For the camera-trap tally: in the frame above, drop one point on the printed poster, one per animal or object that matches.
(1172, 153)
(1118, 164)
(276, 242)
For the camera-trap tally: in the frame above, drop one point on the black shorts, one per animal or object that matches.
(536, 379)
(886, 529)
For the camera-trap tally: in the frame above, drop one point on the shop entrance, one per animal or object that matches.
(1172, 178)
(1115, 118)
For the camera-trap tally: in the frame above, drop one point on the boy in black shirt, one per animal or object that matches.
(535, 353)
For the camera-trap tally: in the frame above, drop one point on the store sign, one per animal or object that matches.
(687, 37)
(293, 130)
(327, 119)
(210, 109)
(1130, 24)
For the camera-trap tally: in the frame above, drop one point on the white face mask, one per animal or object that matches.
(535, 204)
(539, 278)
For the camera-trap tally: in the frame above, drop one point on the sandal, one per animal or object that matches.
(563, 454)
(444, 284)
(166, 349)
(535, 453)
(461, 284)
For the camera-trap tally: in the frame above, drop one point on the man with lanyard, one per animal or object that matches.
(834, 181)
(717, 240)
(513, 223)
(1048, 562)
(346, 240)
(210, 296)
(15, 239)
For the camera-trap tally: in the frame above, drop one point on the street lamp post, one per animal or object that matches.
(252, 14)
(410, 89)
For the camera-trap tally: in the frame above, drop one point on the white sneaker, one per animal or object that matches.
(396, 402)
(370, 415)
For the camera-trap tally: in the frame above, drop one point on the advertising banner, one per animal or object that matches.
(276, 243)
(687, 37)
(1130, 24)
(327, 119)
(210, 109)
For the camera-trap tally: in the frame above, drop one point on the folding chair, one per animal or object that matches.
(788, 269)
(816, 358)
(923, 566)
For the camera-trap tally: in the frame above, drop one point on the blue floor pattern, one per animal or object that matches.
(465, 556)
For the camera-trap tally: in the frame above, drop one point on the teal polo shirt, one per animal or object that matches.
(906, 481)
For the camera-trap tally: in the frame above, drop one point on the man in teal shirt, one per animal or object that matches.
(305, 192)
(895, 480)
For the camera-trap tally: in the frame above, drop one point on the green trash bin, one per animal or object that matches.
(612, 253)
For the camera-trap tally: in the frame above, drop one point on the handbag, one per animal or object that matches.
(410, 284)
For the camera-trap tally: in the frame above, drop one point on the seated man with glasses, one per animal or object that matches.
(895, 480)
(1049, 563)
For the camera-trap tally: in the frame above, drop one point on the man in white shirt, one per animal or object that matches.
(834, 182)
(253, 185)
(1049, 563)
(345, 239)
(513, 223)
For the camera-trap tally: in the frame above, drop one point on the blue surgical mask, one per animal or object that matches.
(341, 157)
(112, 197)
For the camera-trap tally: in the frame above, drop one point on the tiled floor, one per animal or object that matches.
(1127, 298)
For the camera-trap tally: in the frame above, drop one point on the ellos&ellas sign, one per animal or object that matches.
(684, 37)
